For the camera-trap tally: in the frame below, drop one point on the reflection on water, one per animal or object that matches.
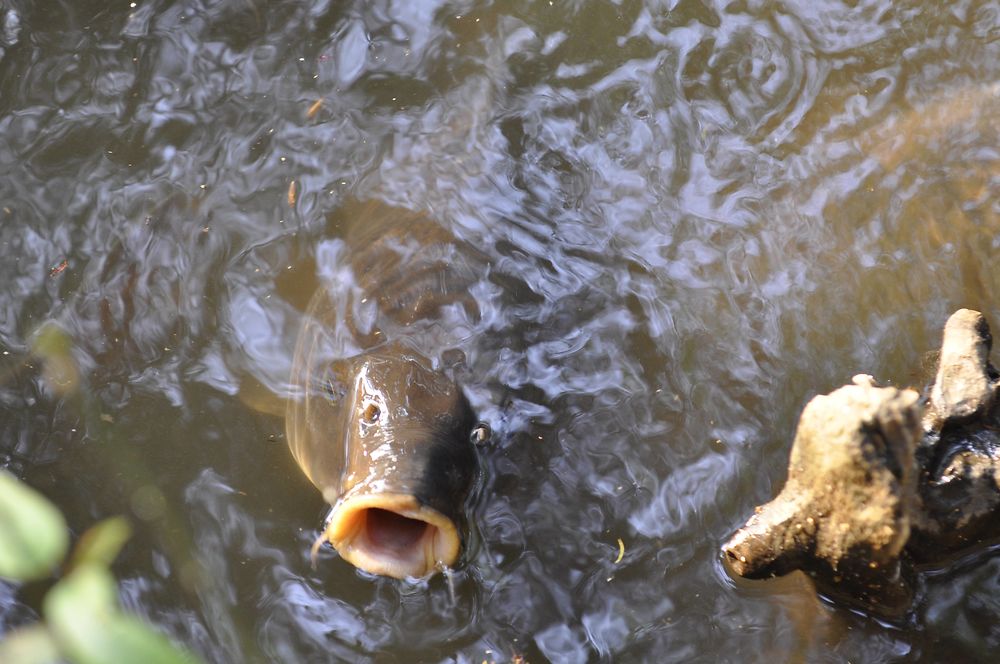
(697, 216)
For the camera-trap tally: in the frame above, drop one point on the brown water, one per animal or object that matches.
(698, 216)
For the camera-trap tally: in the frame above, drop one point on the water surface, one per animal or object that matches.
(698, 215)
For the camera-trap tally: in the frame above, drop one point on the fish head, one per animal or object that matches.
(409, 462)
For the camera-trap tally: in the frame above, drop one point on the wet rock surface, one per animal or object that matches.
(881, 482)
(959, 489)
(966, 382)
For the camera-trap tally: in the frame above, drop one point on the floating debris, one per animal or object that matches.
(621, 551)
(291, 194)
(314, 109)
(57, 269)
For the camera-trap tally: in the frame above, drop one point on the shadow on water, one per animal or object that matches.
(696, 216)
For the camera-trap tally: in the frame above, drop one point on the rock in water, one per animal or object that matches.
(843, 514)
(870, 491)
(959, 488)
(966, 382)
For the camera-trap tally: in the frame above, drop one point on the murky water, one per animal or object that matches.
(697, 214)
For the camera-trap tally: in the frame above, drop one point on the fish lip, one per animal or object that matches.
(355, 535)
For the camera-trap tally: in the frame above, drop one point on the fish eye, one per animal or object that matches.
(371, 413)
(480, 433)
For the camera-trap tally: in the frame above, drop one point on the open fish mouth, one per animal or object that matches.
(392, 534)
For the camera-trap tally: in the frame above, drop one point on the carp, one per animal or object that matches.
(386, 436)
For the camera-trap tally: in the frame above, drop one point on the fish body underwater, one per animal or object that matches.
(386, 436)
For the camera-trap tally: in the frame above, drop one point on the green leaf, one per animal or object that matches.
(83, 601)
(33, 533)
(30, 645)
(83, 615)
(102, 542)
(130, 640)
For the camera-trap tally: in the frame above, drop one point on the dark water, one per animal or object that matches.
(698, 216)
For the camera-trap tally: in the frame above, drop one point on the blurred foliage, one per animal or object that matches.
(82, 620)
(55, 348)
(33, 534)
